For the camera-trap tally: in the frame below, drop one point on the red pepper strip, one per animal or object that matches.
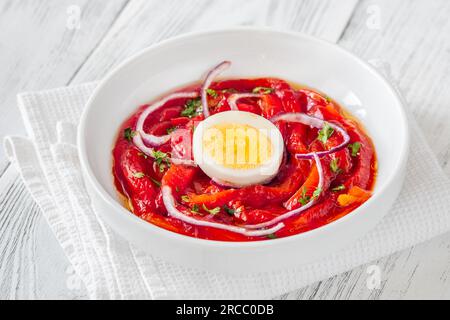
(292, 101)
(361, 176)
(270, 106)
(354, 196)
(295, 142)
(135, 176)
(312, 218)
(179, 177)
(366, 159)
(342, 161)
(257, 196)
(306, 191)
(169, 113)
(256, 216)
(247, 85)
(180, 121)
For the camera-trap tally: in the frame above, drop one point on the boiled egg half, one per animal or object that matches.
(238, 148)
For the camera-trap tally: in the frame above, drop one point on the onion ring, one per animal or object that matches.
(316, 123)
(233, 99)
(296, 212)
(150, 139)
(208, 80)
(169, 203)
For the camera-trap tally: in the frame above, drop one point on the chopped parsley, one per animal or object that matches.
(156, 182)
(272, 236)
(195, 209)
(338, 188)
(305, 198)
(230, 90)
(212, 211)
(325, 133)
(317, 193)
(212, 92)
(143, 155)
(229, 210)
(129, 134)
(162, 160)
(328, 99)
(355, 147)
(185, 199)
(191, 108)
(263, 90)
(138, 175)
(171, 130)
(334, 166)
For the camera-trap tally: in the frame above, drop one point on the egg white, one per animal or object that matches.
(241, 177)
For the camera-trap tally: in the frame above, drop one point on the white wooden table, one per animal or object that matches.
(45, 44)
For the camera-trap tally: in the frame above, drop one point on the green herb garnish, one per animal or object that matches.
(129, 134)
(191, 108)
(305, 198)
(229, 210)
(263, 90)
(325, 133)
(195, 209)
(171, 130)
(162, 160)
(338, 188)
(212, 92)
(185, 199)
(328, 99)
(156, 182)
(355, 147)
(272, 236)
(143, 155)
(317, 193)
(212, 211)
(139, 175)
(334, 166)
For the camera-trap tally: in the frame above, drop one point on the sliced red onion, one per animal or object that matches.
(295, 212)
(137, 140)
(169, 203)
(150, 139)
(234, 98)
(183, 162)
(316, 123)
(208, 80)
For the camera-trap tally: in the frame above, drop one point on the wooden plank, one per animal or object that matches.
(144, 23)
(148, 19)
(39, 50)
(42, 48)
(413, 42)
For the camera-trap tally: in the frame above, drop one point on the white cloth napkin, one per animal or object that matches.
(113, 269)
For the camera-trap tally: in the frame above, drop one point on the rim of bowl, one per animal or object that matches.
(404, 153)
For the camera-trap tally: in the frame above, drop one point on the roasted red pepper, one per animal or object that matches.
(349, 174)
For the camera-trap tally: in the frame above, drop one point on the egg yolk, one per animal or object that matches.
(237, 146)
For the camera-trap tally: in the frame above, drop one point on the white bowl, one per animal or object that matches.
(254, 52)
